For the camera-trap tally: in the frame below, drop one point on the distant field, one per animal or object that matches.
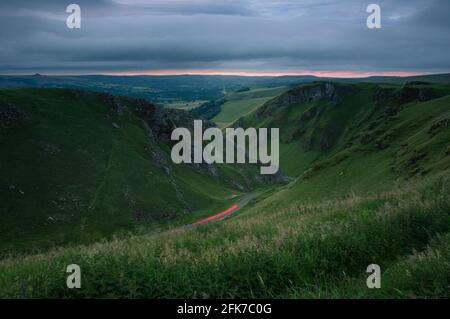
(242, 103)
(184, 105)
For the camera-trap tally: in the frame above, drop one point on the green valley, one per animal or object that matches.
(78, 167)
(368, 165)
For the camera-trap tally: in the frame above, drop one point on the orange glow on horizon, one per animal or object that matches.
(330, 74)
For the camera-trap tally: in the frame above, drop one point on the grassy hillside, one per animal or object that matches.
(371, 168)
(239, 104)
(326, 123)
(76, 167)
(317, 250)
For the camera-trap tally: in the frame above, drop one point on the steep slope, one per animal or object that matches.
(236, 104)
(326, 123)
(78, 166)
(239, 104)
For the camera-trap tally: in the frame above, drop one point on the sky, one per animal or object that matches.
(245, 37)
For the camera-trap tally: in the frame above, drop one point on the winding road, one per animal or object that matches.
(218, 217)
(222, 215)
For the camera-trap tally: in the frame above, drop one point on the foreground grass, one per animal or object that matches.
(304, 250)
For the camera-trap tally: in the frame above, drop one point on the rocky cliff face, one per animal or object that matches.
(157, 119)
(406, 94)
(308, 93)
(159, 124)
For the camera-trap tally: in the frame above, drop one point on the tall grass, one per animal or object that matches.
(305, 250)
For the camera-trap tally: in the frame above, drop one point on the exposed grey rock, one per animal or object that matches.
(156, 119)
(308, 93)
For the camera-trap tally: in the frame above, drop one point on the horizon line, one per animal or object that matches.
(319, 74)
(329, 74)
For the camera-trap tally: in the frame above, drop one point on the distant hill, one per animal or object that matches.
(443, 78)
(228, 108)
(160, 89)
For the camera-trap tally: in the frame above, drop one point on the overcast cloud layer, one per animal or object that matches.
(292, 36)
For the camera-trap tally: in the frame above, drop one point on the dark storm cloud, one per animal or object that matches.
(244, 35)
